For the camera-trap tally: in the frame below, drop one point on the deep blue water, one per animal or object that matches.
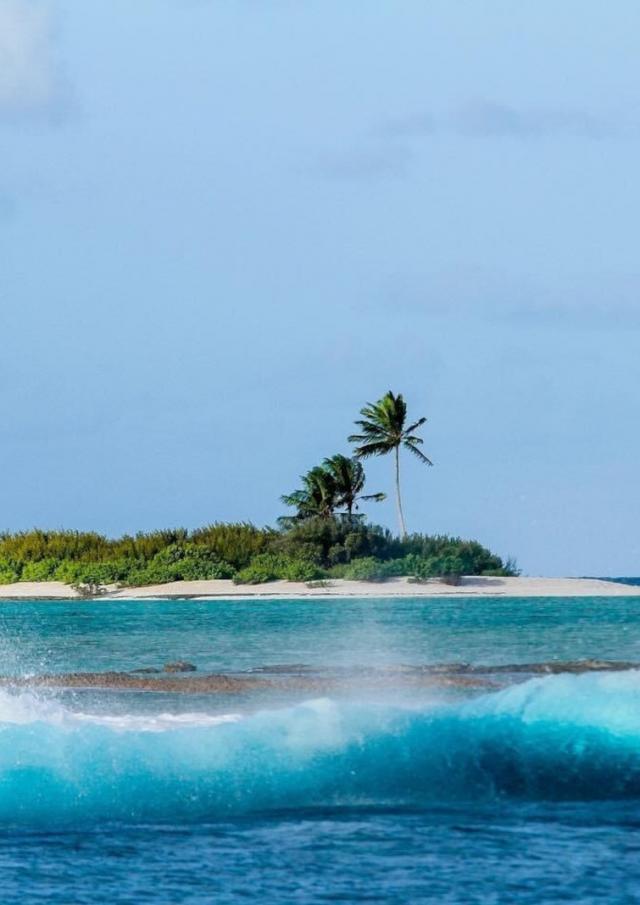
(631, 581)
(525, 792)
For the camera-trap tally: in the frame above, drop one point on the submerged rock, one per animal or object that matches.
(180, 666)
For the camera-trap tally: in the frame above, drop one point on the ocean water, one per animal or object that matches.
(393, 782)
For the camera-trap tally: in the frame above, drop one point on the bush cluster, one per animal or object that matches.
(274, 566)
(420, 568)
(309, 550)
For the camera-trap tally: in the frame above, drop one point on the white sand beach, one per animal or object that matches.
(396, 587)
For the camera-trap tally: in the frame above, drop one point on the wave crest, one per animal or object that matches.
(561, 737)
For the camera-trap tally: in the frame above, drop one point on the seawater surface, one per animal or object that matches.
(518, 789)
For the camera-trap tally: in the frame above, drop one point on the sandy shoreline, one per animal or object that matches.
(283, 590)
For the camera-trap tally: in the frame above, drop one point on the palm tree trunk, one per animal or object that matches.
(403, 527)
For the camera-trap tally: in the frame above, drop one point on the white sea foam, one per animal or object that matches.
(28, 707)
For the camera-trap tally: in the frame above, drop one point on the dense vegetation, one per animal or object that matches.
(338, 546)
(326, 537)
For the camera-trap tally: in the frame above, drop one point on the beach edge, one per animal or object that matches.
(472, 586)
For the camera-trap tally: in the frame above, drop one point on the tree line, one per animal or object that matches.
(326, 537)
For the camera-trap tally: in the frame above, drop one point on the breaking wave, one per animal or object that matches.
(559, 737)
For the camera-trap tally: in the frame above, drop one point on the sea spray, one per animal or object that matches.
(561, 737)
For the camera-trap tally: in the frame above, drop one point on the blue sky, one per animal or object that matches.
(225, 226)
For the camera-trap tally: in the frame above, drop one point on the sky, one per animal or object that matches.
(226, 225)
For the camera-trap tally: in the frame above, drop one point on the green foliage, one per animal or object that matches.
(179, 562)
(264, 567)
(384, 428)
(450, 564)
(235, 544)
(273, 566)
(344, 545)
(329, 542)
(474, 558)
(318, 496)
(447, 566)
(89, 559)
(68, 571)
(366, 569)
(94, 573)
(510, 568)
(370, 569)
(41, 570)
(32, 546)
(301, 570)
(10, 570)
(336, 484)
(8, 574)
(143, 546)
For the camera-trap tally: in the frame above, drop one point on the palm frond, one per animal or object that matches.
(417, 452)
(293, 499)
(375, 448)
(370, 429)
(415, 425)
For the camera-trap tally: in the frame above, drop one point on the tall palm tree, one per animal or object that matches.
(383, 430)
(349, 480)
(317, 497)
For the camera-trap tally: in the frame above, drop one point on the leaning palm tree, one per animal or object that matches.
(383, 430)
(317, 497)
(349, 480)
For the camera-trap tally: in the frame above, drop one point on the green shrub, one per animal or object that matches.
(262, 568)
(32, 546)
(94, 575)
(192, 562)
(67, 571)
(301, 570)
(338, 571)
(445, 567)
(475, 558)
(369, 569)
(8, 576)
(235, 544)
(397, 568)
(10, 570)
(179, 562)
(366, 569)
(332, 541)
(194, 568)
(153, 573)
(42, 570)
(89, 573)
(271, 567)
(300, 551)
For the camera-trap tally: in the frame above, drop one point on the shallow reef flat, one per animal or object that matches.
(301, 678)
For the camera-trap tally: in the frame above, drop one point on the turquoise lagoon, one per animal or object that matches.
(519, 786)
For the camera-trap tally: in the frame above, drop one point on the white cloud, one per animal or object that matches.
(606, 300)
(487, 119)
(366, 163)
(29, 75)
